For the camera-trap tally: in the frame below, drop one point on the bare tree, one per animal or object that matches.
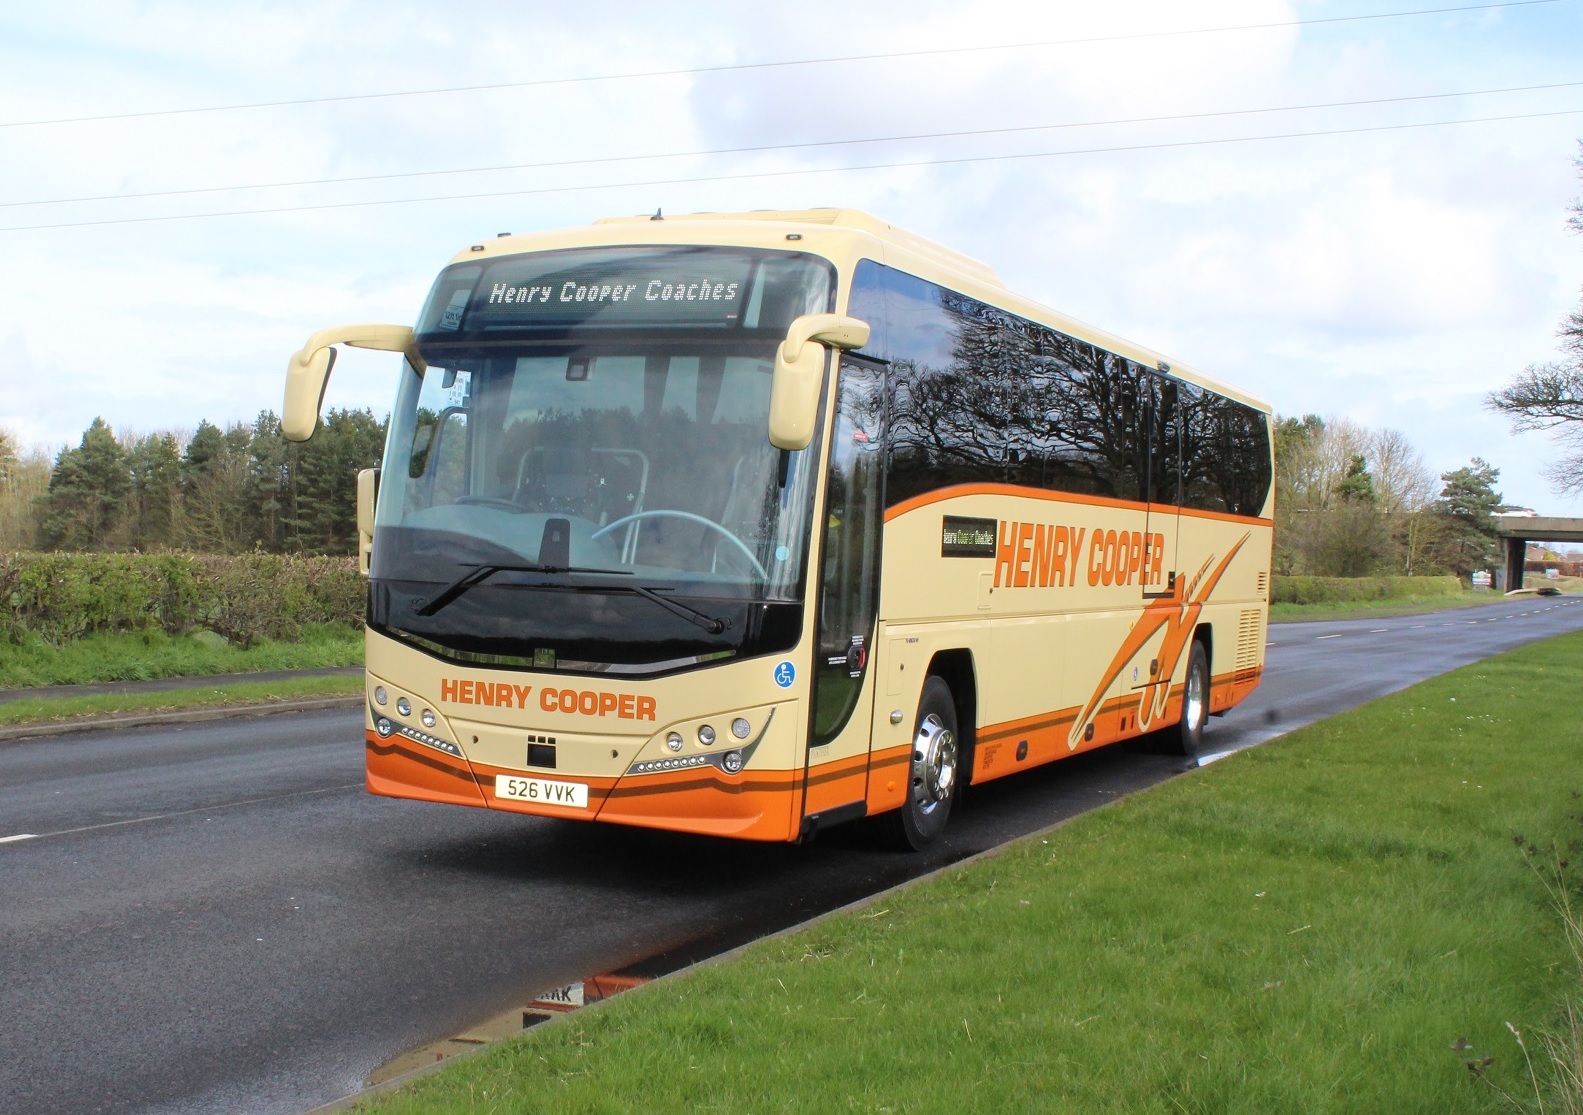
(24, 478)
(1402, 481)
(1550, 396)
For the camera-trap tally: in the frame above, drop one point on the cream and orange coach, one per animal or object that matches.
(749, 524)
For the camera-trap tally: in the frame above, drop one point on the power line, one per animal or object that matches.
(764, 148)
(955, 161)
(784, 64)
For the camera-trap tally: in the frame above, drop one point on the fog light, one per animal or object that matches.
(731, 762)
(404, 707)
(674, 741)
(706, 734)
(428, 718)
(380, 696)
(740, 728)
(383, 727)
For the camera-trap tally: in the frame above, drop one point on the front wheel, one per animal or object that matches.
(932, 771)
(1188, 736)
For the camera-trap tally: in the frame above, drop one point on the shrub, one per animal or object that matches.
(64, 596)
(1349, 590)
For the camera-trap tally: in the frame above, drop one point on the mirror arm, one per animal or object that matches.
(830, 329)
(308, 370)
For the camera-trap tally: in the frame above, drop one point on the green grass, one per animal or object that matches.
(156, 655)
(1305, 927)
(26, 711)
(1398, 606)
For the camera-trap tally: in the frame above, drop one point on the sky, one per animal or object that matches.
(1155, 168)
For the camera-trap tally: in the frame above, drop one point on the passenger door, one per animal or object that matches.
(848, 592)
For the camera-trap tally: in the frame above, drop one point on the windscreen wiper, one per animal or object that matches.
(478, 574)
(708, 622)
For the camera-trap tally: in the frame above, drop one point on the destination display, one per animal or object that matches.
(688, 287)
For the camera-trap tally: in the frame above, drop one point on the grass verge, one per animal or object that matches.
(1398, 606)
(1309, 926)
(28, 711)
(142, 657)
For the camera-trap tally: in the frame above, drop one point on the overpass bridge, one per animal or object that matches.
(1516, 532)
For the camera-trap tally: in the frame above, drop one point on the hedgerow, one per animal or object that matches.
(1349, 590)
(244, 597)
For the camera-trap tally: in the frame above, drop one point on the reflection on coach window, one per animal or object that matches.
(1225, 454)
(981, 396)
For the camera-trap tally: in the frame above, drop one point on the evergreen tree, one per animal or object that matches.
(154, 464)
(1466, 507)
(214, 482)
(87, 488)
(324, 481)
(269, 482)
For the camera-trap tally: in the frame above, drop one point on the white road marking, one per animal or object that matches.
(1205, 760)
(1377, 630)
(1416, 626)
(18, 836)
(189, 812)
(1335, 636)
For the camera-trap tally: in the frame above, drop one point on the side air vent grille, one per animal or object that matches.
(1250, 637)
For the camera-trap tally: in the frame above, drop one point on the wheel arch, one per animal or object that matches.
(956, 669)
(1205, 633)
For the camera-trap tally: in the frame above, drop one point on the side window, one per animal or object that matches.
(1225, 453)
(849, 579)
(982, 396)
(1165, 440)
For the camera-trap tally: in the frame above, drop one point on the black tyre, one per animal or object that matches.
(1188, 736)
(931, 776)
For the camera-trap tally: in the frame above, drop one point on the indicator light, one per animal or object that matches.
(740, 728)
(380, 696)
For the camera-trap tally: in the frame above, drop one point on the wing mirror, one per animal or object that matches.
(367, 493)
(799, 373)
(308, 370)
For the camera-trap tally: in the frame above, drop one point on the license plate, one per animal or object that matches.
(543, 791)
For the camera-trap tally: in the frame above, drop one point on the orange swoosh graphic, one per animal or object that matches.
(1177, 615)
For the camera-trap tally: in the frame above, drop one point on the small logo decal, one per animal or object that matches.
(785, 674)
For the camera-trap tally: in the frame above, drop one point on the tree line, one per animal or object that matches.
(1350, 502)
(225, 491)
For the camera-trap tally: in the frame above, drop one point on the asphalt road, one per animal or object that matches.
(217, 918)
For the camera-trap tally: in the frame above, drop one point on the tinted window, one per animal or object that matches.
(979, 395)
(1225, 453)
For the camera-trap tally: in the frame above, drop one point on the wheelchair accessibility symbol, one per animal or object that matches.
(785, 674)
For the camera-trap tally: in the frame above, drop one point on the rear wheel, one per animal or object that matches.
(1188, 736)
(931, 774)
